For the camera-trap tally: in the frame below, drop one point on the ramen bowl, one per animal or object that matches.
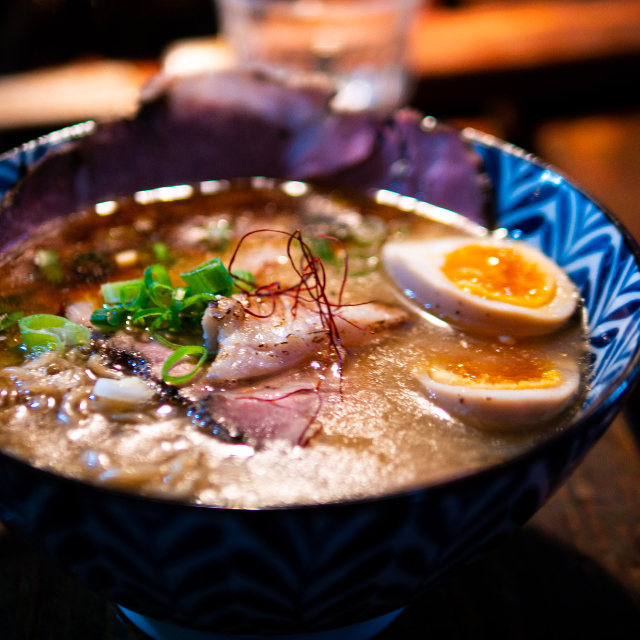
(319, 568)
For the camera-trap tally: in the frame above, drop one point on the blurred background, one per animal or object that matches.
(557, 77)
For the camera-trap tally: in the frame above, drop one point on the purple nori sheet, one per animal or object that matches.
(233, 125)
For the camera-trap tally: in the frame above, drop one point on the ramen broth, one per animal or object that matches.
(371, 428)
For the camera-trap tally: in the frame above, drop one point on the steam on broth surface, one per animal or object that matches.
(349, 408)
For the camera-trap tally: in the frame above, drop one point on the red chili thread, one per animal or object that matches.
(312, 280)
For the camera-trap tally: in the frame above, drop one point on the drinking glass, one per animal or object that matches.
(356, 45)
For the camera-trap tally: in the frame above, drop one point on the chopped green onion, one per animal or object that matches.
(153, 329)
(246, 281)
(109, 319)
(130, 294)
(9, 319)
(147, 313)
(173, 359)
(160, 294)
(162, 340)
(143, 300)
(117, 316)
(153, 303)
(210, 277)
(157, 284)
(199, 300)
(178, 297)
(161, 251)
(48, 332)
(49, 264)
(157, 273)
(123, 292)
(100, 318)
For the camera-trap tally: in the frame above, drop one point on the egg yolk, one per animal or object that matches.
(499, 273)
(490, 374)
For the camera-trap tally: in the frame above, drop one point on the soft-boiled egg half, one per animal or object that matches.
(512, 394)
(491, 286)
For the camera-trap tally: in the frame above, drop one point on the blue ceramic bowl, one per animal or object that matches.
(306, 569)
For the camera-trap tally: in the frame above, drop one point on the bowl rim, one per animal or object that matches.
(615, 392)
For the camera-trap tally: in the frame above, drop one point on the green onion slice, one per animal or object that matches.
(162, 340)
(178, 297)
(161, 251)
(100, 318)
(245, 282)
(155, 304)
(49, 264)
(160, 294)
(109, 318)
(117, 316)
(209, 277)
(157, 273)
(157, 288)
(9, 319)
(173, 359)
(155, 326)
(147, 313)
(123, 292)
(201, 299)
(52, 333)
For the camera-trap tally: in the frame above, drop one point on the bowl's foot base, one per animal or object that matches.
(165, 631)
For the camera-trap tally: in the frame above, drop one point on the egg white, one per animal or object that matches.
(416, 269)
(505, 409)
